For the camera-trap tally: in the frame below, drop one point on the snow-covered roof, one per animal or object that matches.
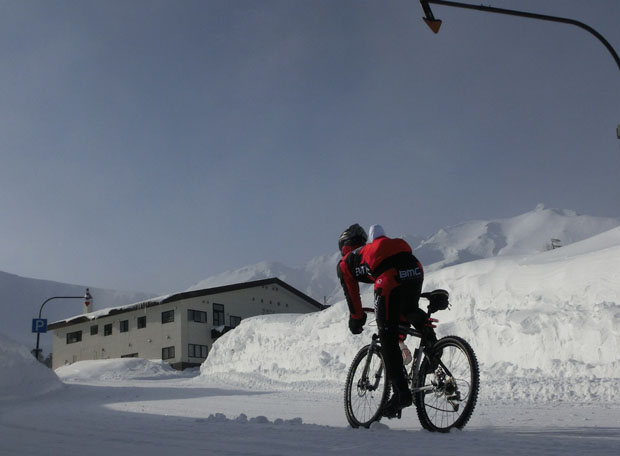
(178, 297)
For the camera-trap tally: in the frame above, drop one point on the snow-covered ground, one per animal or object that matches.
(142, 407)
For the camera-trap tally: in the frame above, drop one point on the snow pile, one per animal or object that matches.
(286, 351)
(116, 370)
(552, 315)
(558, 311)
(544, 326)
(21, 375)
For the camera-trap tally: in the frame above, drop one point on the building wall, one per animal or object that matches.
(148, 342)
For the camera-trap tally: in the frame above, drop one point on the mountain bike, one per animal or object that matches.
(444, 378)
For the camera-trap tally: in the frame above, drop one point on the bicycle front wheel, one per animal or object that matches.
(450, 390)
(366, 389)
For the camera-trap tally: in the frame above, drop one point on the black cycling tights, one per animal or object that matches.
(401, 300)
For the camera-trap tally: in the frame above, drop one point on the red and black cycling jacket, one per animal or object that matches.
(368, 263)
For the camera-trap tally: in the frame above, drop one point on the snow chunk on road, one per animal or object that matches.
(117, 370)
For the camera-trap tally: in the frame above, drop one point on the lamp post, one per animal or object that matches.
(435, 24)
(88, 299)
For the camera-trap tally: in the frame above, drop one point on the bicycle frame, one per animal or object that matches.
(415, 365)
(373, 344)
(417, 361)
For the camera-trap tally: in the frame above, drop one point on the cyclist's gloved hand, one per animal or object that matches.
(356, 325)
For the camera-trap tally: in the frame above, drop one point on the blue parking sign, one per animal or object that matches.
(39, 325)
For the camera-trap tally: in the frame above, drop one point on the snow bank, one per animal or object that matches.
(21, 375)
(544, 327)
(310, 352)
(556, 312)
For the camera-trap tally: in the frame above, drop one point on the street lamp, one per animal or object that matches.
(435, 24)
(88, 299)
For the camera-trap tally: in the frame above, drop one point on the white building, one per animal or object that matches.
(179, 328)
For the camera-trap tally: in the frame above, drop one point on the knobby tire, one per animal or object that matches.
(363, 405)
(434, 409)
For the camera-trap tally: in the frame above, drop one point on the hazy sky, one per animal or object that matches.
(146, 145)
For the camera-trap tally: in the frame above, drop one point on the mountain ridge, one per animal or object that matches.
(526, 233)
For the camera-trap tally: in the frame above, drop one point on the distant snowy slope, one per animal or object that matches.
(21, 299)
(528, 233)
(317, 278)
(545, 326)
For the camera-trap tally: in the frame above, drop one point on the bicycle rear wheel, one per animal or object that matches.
(453, 391)
(365, 390)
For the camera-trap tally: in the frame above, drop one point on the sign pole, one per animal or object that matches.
(87, 298)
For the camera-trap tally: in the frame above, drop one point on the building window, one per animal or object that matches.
(124, 326)
(74, 337)
(131, 355)
(167, 352)
(142, 322)
(107, 329)
(197, 316)
(234, 321)
(218, 315)
(167, 317)
(94, 330)
(197, 351)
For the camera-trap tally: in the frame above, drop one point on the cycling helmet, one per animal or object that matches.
(353, 236)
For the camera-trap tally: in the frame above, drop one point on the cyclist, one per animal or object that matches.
(397, 276)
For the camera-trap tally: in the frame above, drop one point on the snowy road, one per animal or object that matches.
(175, 416)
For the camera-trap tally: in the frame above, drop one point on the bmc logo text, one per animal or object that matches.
(409, 273)
(362, 270)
